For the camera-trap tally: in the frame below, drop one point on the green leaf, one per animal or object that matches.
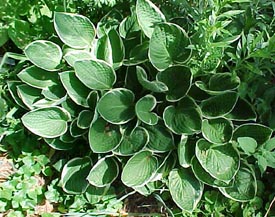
(185, 189)
(220, 161)
(132, 141)
(55, 92)
(270, 144)
(247, 144)
(205, 177)
(185, 118)
(144, 107)
(217, 130)
(117, 106)
(57, 144)
(95, 74)
(168, 46)
(44, 54)
(243, 111)
(139, 169)
(258, 132)
(219, 83)
(103, 136)
(75, 131)
(3, 35)
(104, 172)
(148, 15)
(28, 95)
(73, 176)
(129, 27)
(37, 77)
(154, 86)
(110, 48)
(76, 55)
(186, 150)
(244, 187)
(138, 54)
(47, 122)
(160, 138)
(85, 118)
(75, 88)
(220, 105)
(74, 30)
(178, 79)
(95, 194)
(12, 87)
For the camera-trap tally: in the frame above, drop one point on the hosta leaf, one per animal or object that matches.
(219, 83)
(258, 132)
(144, 107)
(37, 77)
(178, 80)
(243, 111)
(132, 141)
(73, 176)
(244, 187)
(75, 89)
(204, 176)
(247, 144)
(270, 144)
(110, 48)
(76, 55)
(28, 95)
(75, 131)
(47, 122)
(148, 15)
(12, 87)
(185, 118)
(129, 27)
(44, 54)
(54, 92)
(138, 54)
(103, 136)
(218, 130)
(95, 194)
(139, 169)
(57, 144)
(104, 172)
(220, 105)
(117, 106)
(168, 46)
(220, 161)
(154, 86)
(95, 74)
(74, 30)
(185, 189)
(85, 118)
(160, 138)
(186, 150)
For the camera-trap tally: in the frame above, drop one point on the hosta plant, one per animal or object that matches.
(150, 109)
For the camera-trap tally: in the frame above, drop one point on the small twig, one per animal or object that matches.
(270, 206)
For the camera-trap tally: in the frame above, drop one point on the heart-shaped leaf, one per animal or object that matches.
(103, 136)
(144, 107)
(117, 106)
(220, 105)
(110, 48)
(247, 144)
(129, 27)
(132, 141)
(28, 95)
(160, 138)
(44, 54)
(205, 177)
(244, 187)
(73, 176)
(218, 130)
(37, 77)
(168, 46)
(85, 118)
(74, 30)
(47, 122)
(220, 161)
(178, 79)
(76, 55)
(95, 74)
(258, 132)
(139, 169)
(148, 15)
(186, 150)
(104, 172)
(154, 86)
(75, 89)
(185, 189)
(185, 118)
